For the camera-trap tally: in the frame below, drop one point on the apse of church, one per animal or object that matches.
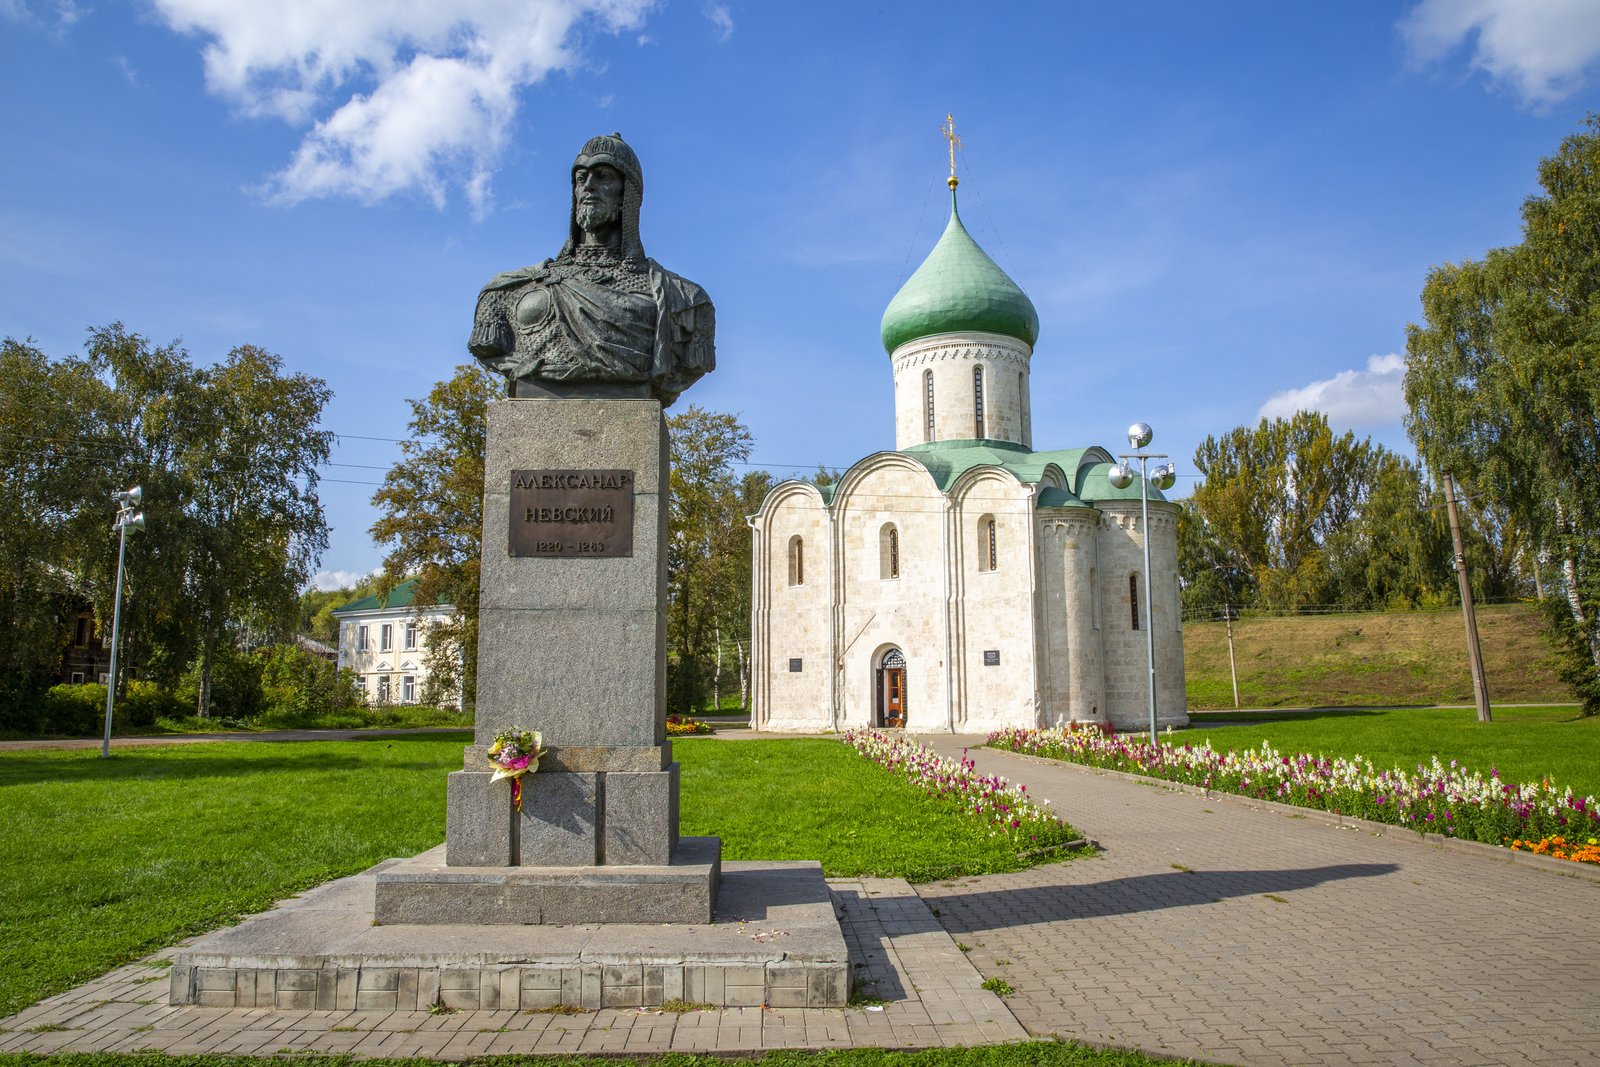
(963, 581)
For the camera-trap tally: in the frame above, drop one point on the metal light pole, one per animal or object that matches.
(127, 519)
(1140, 435)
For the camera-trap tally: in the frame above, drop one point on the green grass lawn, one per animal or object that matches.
(1363, 658)
(107, 860)
(1526, 744)
(1032, 1054)
(799, 798)
(110, 859)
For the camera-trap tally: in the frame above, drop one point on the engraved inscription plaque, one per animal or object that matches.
(572, 513)
(991, 657)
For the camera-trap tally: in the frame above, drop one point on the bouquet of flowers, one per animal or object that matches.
(513, 754)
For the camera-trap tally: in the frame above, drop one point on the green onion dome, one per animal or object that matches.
(958, 289)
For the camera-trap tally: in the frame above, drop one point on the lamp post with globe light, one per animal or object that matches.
(127, 519)
(1121, 476)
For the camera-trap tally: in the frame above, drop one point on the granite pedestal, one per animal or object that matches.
(776, 942)
(571, 643)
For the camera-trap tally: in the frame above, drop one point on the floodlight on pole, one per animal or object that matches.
(127, 519)
(1162, 477)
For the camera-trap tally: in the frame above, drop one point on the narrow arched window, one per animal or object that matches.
(988, 556)
(977, 399)
(1133, 599)
(927, 401)
(797, 561)
(889, 551)
(1022, 406)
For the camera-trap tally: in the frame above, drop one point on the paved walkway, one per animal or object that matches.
(1223, 930)
(1209, 927)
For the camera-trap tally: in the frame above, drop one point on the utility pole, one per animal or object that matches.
(1480, 687)
(1233, 668)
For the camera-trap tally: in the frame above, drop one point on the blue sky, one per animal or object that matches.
(1220, 210)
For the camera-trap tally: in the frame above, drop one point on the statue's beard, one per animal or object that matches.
(592, 217)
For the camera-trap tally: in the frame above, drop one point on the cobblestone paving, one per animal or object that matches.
(932, 997)
(1221, 930)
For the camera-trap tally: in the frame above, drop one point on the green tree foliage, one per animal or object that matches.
(1215, 581)
(45, 467)
(1503, 382)
(708, 557)
(228, 459)
(318, 605)
(432, 521)
(1292, 516)
(258, 524)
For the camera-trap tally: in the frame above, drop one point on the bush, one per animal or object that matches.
(143, 702)
(74, 710)
(80, 710)
(296, 685)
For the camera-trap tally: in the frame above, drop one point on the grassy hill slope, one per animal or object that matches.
(1372, 658)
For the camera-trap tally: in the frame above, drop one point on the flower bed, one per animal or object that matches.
(1007, 809)
(683, 726)
(1578, 851)
(1438, 799)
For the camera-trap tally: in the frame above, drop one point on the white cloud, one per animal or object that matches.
(720, 17)
(128, 70)
(401, 95)
(1351, 399)
(326, 581)
(1541, 48)
(61, 15)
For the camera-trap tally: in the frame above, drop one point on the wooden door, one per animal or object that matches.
(894, 696)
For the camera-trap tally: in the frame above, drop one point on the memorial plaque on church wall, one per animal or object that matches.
(571, 514)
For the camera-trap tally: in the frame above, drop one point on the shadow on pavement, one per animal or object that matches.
(997, 909)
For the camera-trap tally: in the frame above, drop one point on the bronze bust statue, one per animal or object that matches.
(600, 319)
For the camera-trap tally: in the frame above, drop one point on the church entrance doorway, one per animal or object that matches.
(891, 695)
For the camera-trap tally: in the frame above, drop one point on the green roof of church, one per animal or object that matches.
(958, 289)
(949, 460)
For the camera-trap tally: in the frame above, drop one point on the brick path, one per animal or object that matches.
(1218, 929)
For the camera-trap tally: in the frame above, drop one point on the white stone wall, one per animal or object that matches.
(951, 358)
(909, 612)
(1071, 681)
(1126, 670)
(1055, 607)
(994, 609)
(792, 620)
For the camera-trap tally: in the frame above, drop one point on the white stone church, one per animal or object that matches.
(963, 582)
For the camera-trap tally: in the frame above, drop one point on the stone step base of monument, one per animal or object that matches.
(423, 890)
(775, 941)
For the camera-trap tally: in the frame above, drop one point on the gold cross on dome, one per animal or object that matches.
(948, 131)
